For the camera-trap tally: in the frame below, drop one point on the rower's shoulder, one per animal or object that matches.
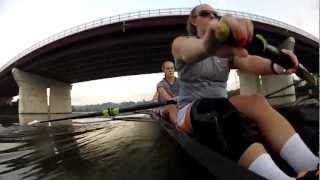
(183, 37)
(178, 43)
(161, 83)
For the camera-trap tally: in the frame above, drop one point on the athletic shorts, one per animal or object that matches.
(181, 114)
(237, 132)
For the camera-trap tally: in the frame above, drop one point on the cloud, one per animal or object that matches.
(308, 17)
(3, 7)
(119, 89)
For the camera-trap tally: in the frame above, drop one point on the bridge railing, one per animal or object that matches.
(148, 14)
(271, 21)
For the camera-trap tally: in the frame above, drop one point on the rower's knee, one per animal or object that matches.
(259, 98)
(170, 108)
(170, 112)
(259, 102)
(258, 105)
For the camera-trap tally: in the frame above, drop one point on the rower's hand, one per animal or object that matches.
(294, 60)
(242, 31)
(175, 99)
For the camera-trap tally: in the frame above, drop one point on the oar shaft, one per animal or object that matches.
(115, 111)
(148, 105)
(74, 117)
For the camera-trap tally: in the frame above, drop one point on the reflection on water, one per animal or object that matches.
(24, 119)
(135, 149)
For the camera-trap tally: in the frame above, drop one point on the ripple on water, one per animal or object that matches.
(130, 149)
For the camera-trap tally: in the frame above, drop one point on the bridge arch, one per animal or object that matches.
(129, 44)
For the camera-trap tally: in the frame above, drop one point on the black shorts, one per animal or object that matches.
(218, 124)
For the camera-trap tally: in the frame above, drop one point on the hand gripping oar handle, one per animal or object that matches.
(111, 111)
(259, 46)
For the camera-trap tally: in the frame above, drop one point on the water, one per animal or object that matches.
(129, 147)
(134, 147)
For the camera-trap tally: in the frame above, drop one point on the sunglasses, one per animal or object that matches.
(207, 13)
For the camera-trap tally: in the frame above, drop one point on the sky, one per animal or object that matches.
(25, 22)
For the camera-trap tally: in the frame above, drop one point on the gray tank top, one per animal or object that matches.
(171, 89)
(204, 79)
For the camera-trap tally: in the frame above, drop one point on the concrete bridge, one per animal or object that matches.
(127, 44)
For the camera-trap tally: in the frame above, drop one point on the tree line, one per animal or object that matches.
(100, 107)
(12, 108)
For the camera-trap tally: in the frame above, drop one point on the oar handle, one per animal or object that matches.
(260, 46)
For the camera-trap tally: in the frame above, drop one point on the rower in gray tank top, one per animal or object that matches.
(171, 89)
(205, 78)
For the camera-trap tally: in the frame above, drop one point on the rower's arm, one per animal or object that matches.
(163, 94)
(254, 64)
(193, 49)
(188, 49)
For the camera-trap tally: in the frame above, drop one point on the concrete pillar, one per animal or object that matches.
(249, 83)
(272, 83)
(60, 98)
(33, 94)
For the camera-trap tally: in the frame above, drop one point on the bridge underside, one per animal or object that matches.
(126, 48)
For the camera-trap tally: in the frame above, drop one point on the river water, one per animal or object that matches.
(126, 148)
(133, 147)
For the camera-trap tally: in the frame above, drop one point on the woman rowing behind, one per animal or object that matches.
(167, 89)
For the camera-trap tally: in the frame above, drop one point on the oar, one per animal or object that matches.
(111, 111)
(260, 46)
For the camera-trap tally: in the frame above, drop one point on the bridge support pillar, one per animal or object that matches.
(272, 83)
(33, 94)
(60, 98)
(251, 84)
